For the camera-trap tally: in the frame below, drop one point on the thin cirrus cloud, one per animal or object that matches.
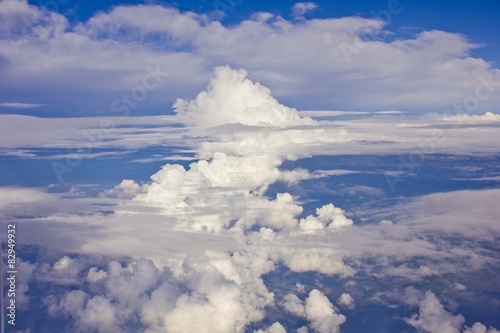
(17, 105)
(341, 63)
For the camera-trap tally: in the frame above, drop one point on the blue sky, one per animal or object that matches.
(411, 56)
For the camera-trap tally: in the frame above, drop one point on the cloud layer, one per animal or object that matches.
(344, 63)
(198, 242)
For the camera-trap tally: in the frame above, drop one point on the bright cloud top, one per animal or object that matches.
(232, 98)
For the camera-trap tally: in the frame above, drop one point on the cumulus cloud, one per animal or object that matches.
(480, 328)
(322, 314)
(110, 298)
(25, 274)
(433, 318)
(248, 103)
(249, 161)
(347, 301)
(274, 328)
(294, 305)
(317, 309)
(327, 216)
(242, 235)
(386, 222)
(127, 189)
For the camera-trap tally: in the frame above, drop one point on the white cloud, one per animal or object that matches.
(333, 60)
(10, 196)
(386, 222)
(84, 136)
(127, 189)
(433, 318)
(218, 203)
(25, 272)
(327, 216)
(322, 314)
(294, 305)
(480, 328)
(17, 105)
(274, 328)
(301, 8)
(346, 300)
(223, 286)
(487, 117)
(248, 103)
(362, 191)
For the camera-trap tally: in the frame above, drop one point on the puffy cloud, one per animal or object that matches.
(100, 315)
(322, 314)
(248, 103)
(386, 222)
(347, 301)
(480, 328)
(65, 271)
(412, 296)
(274, 328)
(127, 189)
(433, 318)
(327, 216)
(249, 161)
(94, 314)
(95, 275)
(317, 309)
(25, 273)
(218, 288)
(294, 305)
(321, 259)
(221, 312)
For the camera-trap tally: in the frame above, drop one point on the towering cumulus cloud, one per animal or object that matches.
(246, 135)
(232, 98)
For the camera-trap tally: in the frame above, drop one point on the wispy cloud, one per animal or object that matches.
(301, 8)
(16, 105)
